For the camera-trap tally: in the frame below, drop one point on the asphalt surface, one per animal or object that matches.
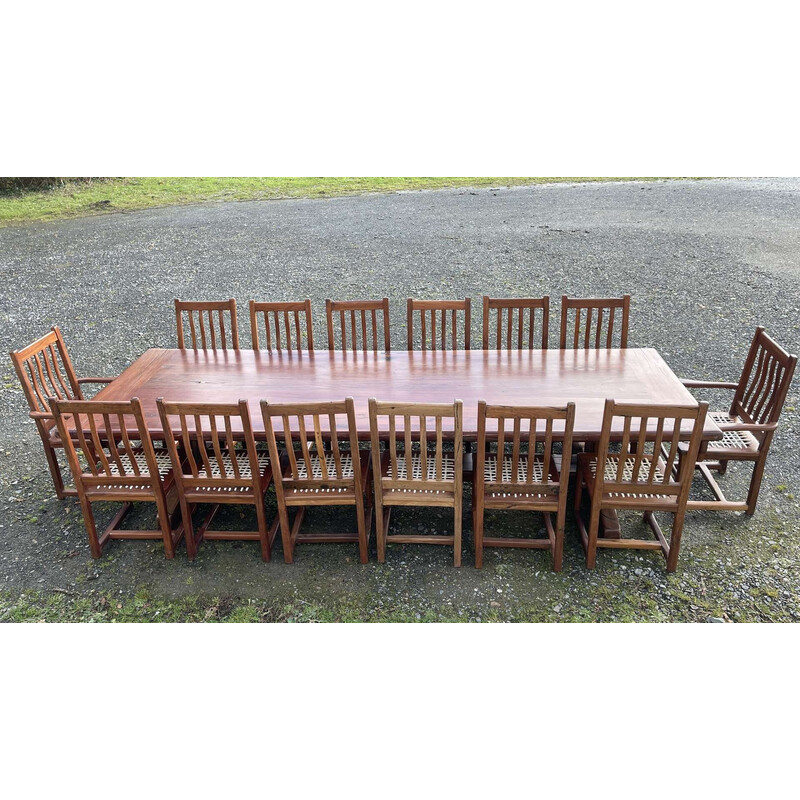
(705, 262)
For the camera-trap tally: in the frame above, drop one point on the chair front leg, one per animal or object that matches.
(755, 480)
(363, 532)
(457, 532)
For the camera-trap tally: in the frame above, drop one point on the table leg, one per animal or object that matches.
(610, 522)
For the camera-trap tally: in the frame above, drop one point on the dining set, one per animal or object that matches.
(360, 424)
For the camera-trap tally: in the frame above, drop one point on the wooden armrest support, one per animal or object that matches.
(95, 380)
(709, 384)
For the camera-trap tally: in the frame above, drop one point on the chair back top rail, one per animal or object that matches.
(45, 370)
(215, 463)
(645, 464)
(592, 318)
(206, 324)
(764, 382)
(525, 440)
(357, 319)
(312, 466)
(104, 440)
(287, 324)
(435, 313)
(515, 314)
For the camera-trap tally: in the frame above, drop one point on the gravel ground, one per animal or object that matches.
(704, 261)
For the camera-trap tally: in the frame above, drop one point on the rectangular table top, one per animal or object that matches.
(504, 377)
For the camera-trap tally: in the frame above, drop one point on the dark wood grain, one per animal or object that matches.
(512, 377)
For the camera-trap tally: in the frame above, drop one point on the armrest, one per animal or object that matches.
(95, 380)
(41, 415)
(709, 384)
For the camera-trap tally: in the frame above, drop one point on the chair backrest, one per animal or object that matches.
(287, 325)
(644, 463)
(594, 321)
(528, 430)
(357, 318)
(515, 323)
(45, 370)
(765, 381)
(302, 429)
(220, 433)
(107, 443)
(433, 323)
(207, 333)
(419, 429)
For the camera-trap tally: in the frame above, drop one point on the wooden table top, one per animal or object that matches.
(507, 377)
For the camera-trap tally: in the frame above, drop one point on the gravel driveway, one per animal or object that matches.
(706, 262)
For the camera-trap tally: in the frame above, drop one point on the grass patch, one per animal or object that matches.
(105, 195)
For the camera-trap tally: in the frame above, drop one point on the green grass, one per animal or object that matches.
(102, 196)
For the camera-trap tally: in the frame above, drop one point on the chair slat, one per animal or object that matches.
(284, 323)
(435, 313)
(600, 317)
(207, 324)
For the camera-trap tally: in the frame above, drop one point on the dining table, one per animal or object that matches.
(500, 377)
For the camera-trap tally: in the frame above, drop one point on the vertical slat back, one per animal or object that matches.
(594, 323)
(528, 432)
(212, 435)
(287, 325)
(207, 325)
(304, 430)
(516, 324)
(765, 381)
(44, 369)
(104, 442)
(649, 450)
(358, 325)
(435, 317)
(423, 463)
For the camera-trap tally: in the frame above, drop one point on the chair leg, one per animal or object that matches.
(363, 532)
(55, 471)
(457, 532)
(755, 483)
(558, 549)
(380, 530)
(477, 526)
(91, 528)
(263, 529)
(675, 541)
(165, 523)
(188, 530)
(591, 544)
(286, 533)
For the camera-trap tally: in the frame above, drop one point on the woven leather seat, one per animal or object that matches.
(521, 490)
(589, 462)
(448, 474)
(731, 440)
(347, 473)
(139, 456)
(243, 462)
